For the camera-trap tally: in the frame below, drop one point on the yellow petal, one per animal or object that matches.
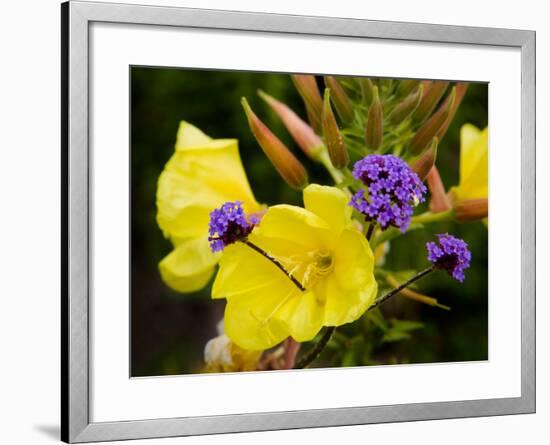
(256, 291)
(352, 288)
(297, 225)
(190, 136)
(474, 159)
(304, 315)
(248, 331)
(330, 204)
(353, 260)
(198, 179)
(468, 136)
(189, 266)
(247, 275)
(347, 305)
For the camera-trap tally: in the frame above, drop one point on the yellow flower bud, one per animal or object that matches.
(367, 89)
(335, 143)
(405, 108)
(340, 99)
(439, 201)
(426, 161)
(407, 86)
(375, 122)
(290, 169)
(430, 128)
(430, 98)
(308, 90)
(301, 132)
(471, 209)
(461, 88)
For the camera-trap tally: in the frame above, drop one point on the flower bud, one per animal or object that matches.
(375, 122)
(439, 201)
(407, 86)
(461, 88)
(290, 169)
(308, 90)
(302, 133)
(426, 161)
(404, 109)
(432, 95)
(471, 209)
(333, 138)
(367, 89)
(340, 99)
(431, 127)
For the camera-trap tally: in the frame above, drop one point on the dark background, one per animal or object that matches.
(169, 330)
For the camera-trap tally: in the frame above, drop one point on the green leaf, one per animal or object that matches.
(375, 316)
(405, 325)
(395, 335)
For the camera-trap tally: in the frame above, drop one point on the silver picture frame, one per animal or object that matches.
(75, 395)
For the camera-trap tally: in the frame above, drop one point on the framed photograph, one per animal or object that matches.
(276, 222)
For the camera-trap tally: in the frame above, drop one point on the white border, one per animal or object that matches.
(115, 397)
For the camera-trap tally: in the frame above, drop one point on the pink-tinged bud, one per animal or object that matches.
(439, 201)
(405, 108)
(290, 169)
(461, 88)
(430, 128)
(302, 133)
(306, 85)
(471, 209)
(333, 138)
(340, 99)
(407, 86)
(430, 99)
(375, 122)
(426, 161)
(367, 90)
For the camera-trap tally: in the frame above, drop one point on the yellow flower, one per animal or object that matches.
(474, 158)
(222, 355)
(202, 174)
(320, 247)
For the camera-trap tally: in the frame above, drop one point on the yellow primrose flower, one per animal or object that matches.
(222, 355)
(202, 174)
(474, 158)
(320, 248)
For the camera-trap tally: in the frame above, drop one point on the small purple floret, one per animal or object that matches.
(450, 254)
(228, 224)
(393, 190)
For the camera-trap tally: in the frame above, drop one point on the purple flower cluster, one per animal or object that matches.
(450, 254)
(393, 190)
(228, 224)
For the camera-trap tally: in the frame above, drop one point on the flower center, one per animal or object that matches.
(323, 262)
(318, 264)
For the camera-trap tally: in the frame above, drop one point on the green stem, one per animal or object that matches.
(416, 223)
(336, 174)
(402, 286)
(274, 261)
(320, 345)
(370, 231)
(314, 352)
(429, 217)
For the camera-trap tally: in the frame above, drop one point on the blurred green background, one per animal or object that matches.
(169, 330)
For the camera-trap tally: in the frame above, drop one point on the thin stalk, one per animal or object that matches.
(274, 261)
(337, 175)
(320, 345)
(314, 352)
(402, 286)
(370, 230)
(429, 217)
